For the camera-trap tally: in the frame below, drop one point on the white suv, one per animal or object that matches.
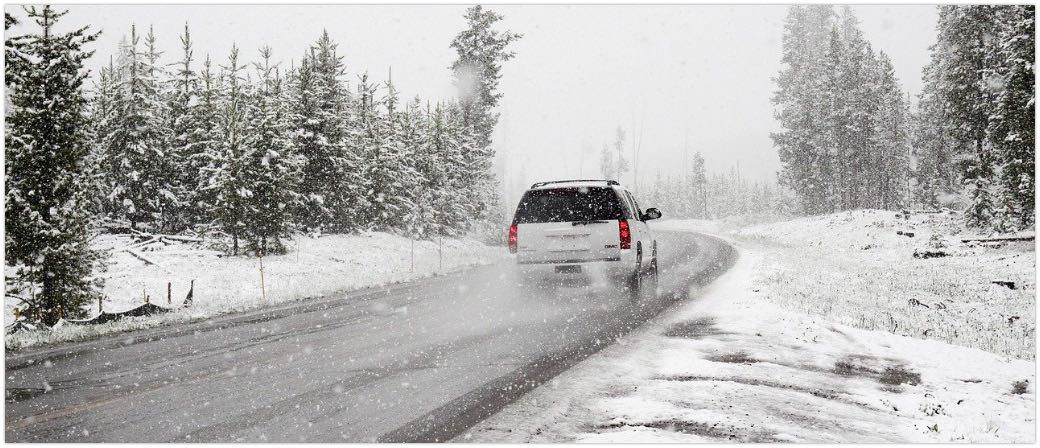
(572, 226)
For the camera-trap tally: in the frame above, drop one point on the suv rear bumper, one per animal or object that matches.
(574, 261)
(618, 266)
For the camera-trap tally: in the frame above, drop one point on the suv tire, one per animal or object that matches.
(635, 280)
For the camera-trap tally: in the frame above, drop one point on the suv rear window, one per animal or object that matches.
(568, 205)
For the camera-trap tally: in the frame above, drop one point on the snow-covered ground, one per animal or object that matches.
(313, 267)
(859, 268)
(813, 336)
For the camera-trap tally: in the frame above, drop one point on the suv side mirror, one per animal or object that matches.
(651, 213)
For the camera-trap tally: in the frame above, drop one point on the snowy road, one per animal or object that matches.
(419, 362)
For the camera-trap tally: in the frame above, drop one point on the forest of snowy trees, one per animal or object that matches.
(254, 151)
(849, 139)
(236, 148)
(844, 142)
(696, 194)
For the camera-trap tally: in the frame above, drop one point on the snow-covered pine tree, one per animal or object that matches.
(620, 162)
(481, 51)
(364, 140)
(228, 177)
(607, 167)
(182, 98)
(700, 187)
(102, 109)
(935, 175)
(203, 156)
(447, 176)
(859, 85)
(964, 31)
(801, 109)
(390, 177)
(167, 204)
(834, 159)
(424, 219)
(1012, 125)
(136, 158)
(413, 184)
(890, 140)
(47, 141)
(271, 168)
(329, 183)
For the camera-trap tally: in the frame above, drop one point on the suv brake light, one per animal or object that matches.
(512, 239)
(623, 233)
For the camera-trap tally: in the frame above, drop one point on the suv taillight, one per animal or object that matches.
(512, 239)
(625, 234)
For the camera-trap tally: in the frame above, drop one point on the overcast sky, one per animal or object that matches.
(697, 76)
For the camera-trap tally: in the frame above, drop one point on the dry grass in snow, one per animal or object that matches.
(857, 269)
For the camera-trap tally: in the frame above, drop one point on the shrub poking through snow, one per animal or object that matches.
(1020, 387)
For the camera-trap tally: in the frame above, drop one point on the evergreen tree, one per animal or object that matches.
(47, 195)
(102, 112)
(481, 51)
(136, 157)
(890, 140)
(271, 168)
(228, 178)
(202, 151)
(620, 163)
(607, 166)
(934, 171)
(802, 108)
(320, 118)
(964, 32)
(1012, 126)
(700, 188)
(420, 219)
(392, 180)
(184, 136)
(451, 202)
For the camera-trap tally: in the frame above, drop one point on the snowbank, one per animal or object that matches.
(313, 267)
(732, 365)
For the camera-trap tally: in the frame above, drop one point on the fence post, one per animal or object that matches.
(99, 308)
(263, 289)
(145, 293)
(169, 293)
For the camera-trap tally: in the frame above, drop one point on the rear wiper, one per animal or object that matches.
(585, 223)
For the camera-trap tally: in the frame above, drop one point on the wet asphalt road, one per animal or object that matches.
(417, 362)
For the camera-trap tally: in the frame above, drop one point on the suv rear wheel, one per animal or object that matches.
(652, 274)
(642, 284)
(635, 280)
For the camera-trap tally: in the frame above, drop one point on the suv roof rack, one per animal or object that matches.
(542, 184)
